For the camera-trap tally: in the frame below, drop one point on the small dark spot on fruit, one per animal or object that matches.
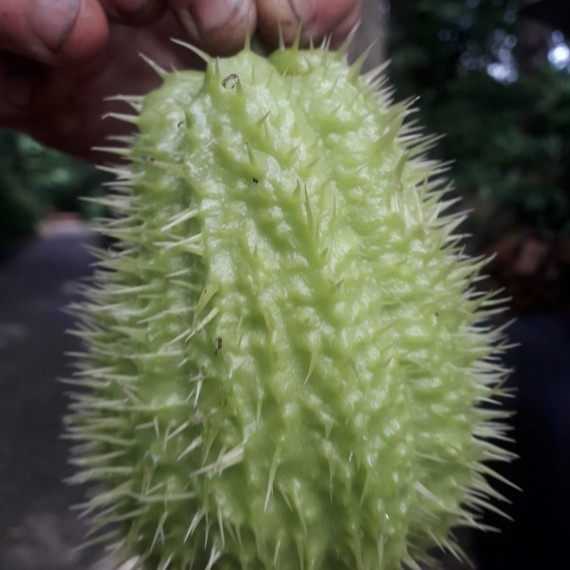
(255, 180)
(230, 81)
(218, 345)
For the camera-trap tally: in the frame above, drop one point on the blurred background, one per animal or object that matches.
(494, 77)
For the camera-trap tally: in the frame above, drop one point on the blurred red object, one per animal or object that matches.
(533, 270)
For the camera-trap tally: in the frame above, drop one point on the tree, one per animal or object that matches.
(505, 126)
(34, 181)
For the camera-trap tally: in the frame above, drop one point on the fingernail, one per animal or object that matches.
(210, 16)
(295, 9)
(53, 20)
(137, 11)
(17, 89)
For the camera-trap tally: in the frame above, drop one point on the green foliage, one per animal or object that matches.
(508, 137)
(35, 180)
(55, 180)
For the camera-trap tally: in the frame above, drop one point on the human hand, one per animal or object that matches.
(61, 59)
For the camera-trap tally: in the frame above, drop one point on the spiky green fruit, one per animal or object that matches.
(286, 364)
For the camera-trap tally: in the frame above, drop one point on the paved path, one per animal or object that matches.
(37, 529)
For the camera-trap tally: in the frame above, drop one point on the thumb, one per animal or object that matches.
(53, 32)
(36, 33)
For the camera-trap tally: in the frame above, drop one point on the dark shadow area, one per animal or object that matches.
(38, 531)
(537, 537)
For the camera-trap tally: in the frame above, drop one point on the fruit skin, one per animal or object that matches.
(286, 362)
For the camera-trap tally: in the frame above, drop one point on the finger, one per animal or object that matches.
(218, 26)
(134, 12)
(53, 31)
(347, 22)
(317, 18)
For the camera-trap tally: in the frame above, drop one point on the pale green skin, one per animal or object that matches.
(334, 428)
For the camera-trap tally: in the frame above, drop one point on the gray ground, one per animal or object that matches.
(38, 531)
